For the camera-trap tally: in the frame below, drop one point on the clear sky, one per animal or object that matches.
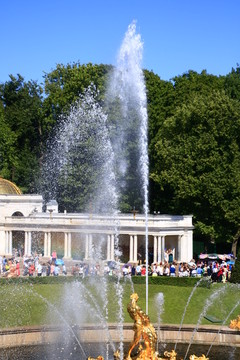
(178, 35)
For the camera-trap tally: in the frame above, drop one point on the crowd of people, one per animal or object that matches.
(34, 266)
(216, 271)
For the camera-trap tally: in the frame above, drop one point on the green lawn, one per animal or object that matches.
(38, 304)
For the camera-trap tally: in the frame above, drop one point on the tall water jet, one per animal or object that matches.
(127, 90)
(80, 158)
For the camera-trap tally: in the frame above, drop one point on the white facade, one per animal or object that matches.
(168, 235)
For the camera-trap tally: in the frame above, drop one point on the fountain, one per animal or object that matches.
(89, 123)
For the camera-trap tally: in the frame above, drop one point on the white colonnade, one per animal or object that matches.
(159, 244)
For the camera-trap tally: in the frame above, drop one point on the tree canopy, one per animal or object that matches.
(194, 157)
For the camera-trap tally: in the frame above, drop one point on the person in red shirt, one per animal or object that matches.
(143, 271)
(31, 270)
(54, 256)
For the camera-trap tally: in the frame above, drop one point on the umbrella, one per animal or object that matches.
(59, 262)
(203, 256)
(213, 256)
(231, 262)
(127, 265)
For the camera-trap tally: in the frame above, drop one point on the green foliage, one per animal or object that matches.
(21, 123)
(194, 127)
(171, 281)
(64, 84)
(235, 275)
(197, 160)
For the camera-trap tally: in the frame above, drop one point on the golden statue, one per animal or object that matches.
(143, 330)
(172, 355)
(235, 324)
(145, 338)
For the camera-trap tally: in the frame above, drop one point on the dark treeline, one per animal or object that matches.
(194, 139)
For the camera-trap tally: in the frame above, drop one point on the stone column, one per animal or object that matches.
(112, 247)
(163, 247)
(90, 246)
(26, 243)
(131, 249)
(135, 247)
(155, 249)
(10, 242)
(6, 242)
(179, 252)
(45, 254)
(108, 247)
(86, 247)
(159, 257)
(67, 245)
(49, 244)
(29, 243)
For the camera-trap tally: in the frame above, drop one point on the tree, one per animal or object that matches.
(232, 83)
(197, 161)
(78, 168)
(235, 274)
(22, 113)
(64, 84)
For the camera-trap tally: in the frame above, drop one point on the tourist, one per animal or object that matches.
(48, 269)
(44, 270)
(138, 269)
(154, 271)
(225, 274)
(220, 274)
(172, 270)
(209, 270)
(54, 256)
(186, 271)
(56, 270)
(214, 272)
(194, 271)
(160, 269)
(31, 269)
(125, 271)
(17, 268)
(199, 271)
(4, 260)
(75, 270)
(143, 270)
(166, 270)
(52, 267)
(180, 269)
(106, 269)
(80, 271)
(39, 269)
(133, 271)
(64, 270)
(205, 270)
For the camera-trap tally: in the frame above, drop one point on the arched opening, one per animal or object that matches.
(17, 213)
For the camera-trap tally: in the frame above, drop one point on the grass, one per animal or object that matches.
(41, 304)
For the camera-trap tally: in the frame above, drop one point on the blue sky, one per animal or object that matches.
(178, 35)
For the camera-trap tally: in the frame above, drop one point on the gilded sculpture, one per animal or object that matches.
(145, 338)
(235, 324)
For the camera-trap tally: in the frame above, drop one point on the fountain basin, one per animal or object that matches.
(94, 334)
